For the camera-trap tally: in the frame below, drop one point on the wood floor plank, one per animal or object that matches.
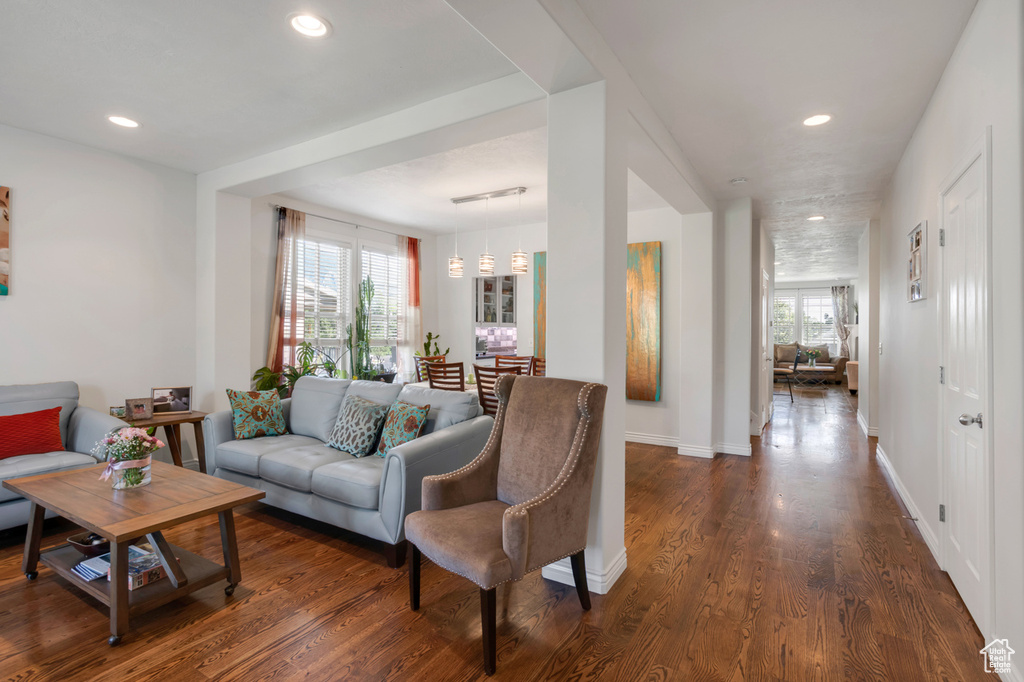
(796, 563)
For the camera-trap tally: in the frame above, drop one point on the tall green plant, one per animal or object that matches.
(358, 341)
(310, 361)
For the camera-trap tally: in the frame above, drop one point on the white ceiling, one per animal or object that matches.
(418, 193)
(222, 81)
(218, 82)
(734, 80)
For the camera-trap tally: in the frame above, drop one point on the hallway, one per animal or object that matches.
(796, 564)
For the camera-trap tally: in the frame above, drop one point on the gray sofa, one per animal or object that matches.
(80, 429)
(370, 495)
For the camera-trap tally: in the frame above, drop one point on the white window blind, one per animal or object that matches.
(784, 319)
(324, 292)
(381, 264)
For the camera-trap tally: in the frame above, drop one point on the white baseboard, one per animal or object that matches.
(696, 451)
(864, 428)
(651, 439)
(598, 582)
(873, 431)
(930, 538)
(755, 427)
(730, 449)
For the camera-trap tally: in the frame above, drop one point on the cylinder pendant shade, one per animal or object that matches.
(486, 264)
(519, 263)
(455, 267)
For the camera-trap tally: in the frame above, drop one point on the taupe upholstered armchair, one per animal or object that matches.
(523, 503)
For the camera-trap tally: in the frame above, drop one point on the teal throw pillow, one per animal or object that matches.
(359, 422)
(403, 424)
(256, 413)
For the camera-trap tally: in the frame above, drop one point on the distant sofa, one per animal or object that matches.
(368, 495)
(785, 354)
(80, 429)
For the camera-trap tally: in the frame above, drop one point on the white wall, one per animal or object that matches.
(103, 280)
(733, 260)
(867, 303)
(682, 418)
(762, 261)
(982, 86)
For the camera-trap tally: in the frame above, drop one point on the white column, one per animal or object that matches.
(223, 296)
(586, 284)
(696, 437)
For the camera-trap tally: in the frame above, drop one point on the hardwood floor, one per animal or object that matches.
(794, 564)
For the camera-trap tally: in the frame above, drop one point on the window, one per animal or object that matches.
(381, 264)
(324, 290)
(804, 315)
(784, 318)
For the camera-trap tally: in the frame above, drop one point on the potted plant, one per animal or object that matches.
(432, 338)
(358, 341)
(128, 454)
(310, 361)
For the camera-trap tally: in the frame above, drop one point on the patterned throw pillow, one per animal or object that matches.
(403, 424)
(357, 427)
(256, 413)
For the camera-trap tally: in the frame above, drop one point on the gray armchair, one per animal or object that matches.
(80, 429)
(523, 503)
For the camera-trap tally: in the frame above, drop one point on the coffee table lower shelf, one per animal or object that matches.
(200, 572)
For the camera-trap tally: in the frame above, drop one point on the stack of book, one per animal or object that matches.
(143, 567)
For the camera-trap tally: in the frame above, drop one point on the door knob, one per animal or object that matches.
(967, 420)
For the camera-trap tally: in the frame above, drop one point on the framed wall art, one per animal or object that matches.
(5, 241)
(917, 263)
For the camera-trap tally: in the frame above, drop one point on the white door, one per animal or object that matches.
(967, 473)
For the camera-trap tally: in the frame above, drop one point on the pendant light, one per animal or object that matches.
(486, 258)
(455, 268)
(519, 260)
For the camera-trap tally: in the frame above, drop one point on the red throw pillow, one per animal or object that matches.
(30, 433)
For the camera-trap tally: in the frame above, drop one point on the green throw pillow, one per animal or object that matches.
(256, 413)
(403, 424)
(357, 427)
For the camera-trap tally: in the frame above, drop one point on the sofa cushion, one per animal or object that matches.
(403, 424)
(256, 413)
(29, 465)
(446, 407)
(316, 402)
(294, 467)
(30, 433)
(824, 357)
(244, 456)
(351, 481)
(21, 398)
(785, 352)
(358, 425)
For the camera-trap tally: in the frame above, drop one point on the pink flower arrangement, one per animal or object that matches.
(128, 443)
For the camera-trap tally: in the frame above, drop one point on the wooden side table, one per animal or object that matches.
(172, 431)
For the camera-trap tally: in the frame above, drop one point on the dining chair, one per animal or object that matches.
(788, 373)
(540, 367)
(485, 379)
(447, 376)
(523, 503)
(523, 362)
(421, 360)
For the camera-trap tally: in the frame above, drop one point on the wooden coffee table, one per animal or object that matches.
(175, 496)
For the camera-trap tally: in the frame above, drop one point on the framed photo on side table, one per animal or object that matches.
(138, 408)
(172, 399)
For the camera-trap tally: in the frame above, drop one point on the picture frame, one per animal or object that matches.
(117, 411)
(138, 408)
(917, 263)
(172, 399)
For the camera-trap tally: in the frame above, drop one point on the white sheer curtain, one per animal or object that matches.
(840, 317)
(410, 326)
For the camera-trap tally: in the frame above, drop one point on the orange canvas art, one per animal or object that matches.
(5, 241)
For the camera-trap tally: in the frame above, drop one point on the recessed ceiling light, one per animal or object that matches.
(817, 120)
(816, 218)
(310, 25)
(738, 181)
(778, 262)
(779, 273)
(122, 121)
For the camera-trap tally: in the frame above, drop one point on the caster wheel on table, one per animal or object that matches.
(229, 590)
(114, 640)
(32, 575)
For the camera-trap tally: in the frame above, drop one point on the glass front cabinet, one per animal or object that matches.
(496, 301)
